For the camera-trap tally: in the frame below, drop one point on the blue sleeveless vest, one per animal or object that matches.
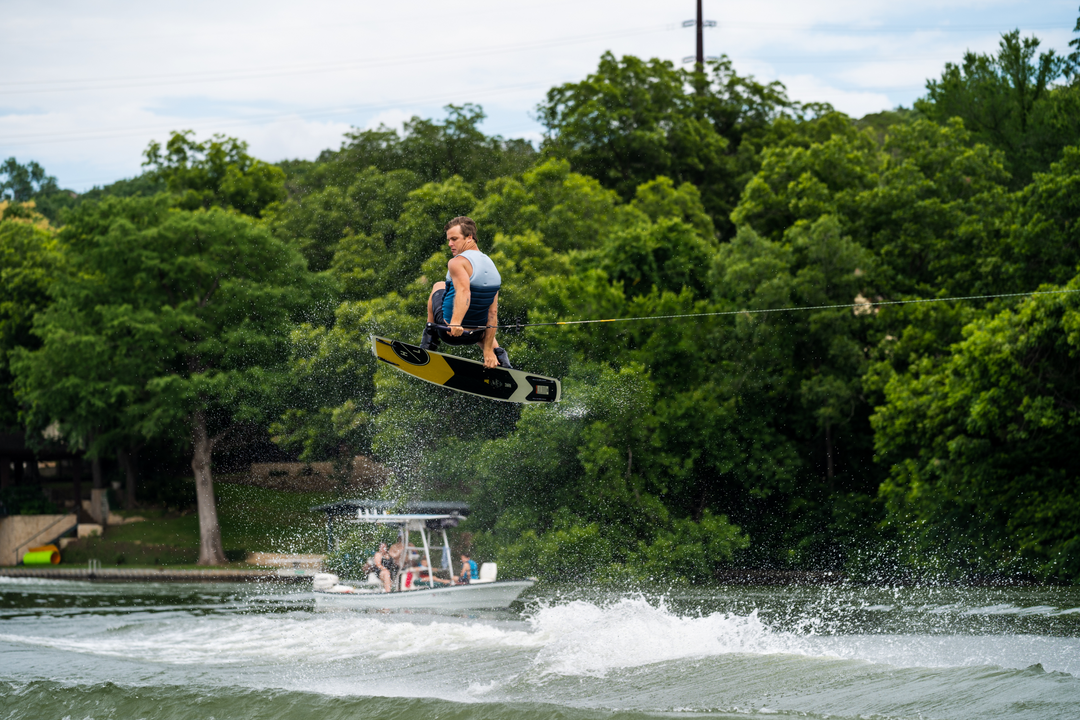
(484, 284)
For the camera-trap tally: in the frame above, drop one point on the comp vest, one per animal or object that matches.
(484, 284)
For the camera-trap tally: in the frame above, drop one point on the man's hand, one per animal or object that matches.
(456, 330)
(490, 361)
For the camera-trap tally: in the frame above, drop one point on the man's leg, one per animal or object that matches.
(434, 289)
(430, 339)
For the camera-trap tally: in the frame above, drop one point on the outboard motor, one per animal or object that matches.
(324, 582)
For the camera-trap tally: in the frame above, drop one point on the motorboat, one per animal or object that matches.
(416, 585)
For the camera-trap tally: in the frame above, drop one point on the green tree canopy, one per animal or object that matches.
(175, 324)
(802, 436)
(925, 201)
(1072, 68)
(1009, 102)
(981, 448)
(433, 151)
(357, 219)
(633, 120)
(30, 261)
(24, 182)
(217, 172)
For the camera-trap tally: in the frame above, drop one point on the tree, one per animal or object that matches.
(677, 432)
(217, 172)
(633, 120)
(356, 220)
(1043, 242)
(23, 182)
(569, 210)
(1072, 67)
(330, 399)
(629, 122)
(176, 323)
(834, 269)
(926, 201)
(981, 448)
(434, 151)
(1007, 100)
(30, 261)
(581, 505)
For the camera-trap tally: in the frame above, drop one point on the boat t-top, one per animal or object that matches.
(414, 521)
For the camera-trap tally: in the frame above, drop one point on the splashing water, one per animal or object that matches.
(69, 648)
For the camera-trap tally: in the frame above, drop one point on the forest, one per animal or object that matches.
(217, 309)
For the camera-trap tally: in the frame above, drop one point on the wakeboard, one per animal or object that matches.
(467, 376)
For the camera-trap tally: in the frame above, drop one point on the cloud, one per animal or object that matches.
(290, 138)
(88, 85)
(855, 103)
(394, 119)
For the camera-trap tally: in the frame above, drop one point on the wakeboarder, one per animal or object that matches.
(464, 310)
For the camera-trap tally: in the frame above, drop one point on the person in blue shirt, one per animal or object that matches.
(468, 570)
(464, 310)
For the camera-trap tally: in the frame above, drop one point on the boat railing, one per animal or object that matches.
(409, 523)
(425, 547)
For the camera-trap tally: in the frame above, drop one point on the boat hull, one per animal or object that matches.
(479, 596)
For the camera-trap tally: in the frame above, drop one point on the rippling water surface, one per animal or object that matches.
(82, 650)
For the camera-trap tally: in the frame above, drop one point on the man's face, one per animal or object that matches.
(455, 240)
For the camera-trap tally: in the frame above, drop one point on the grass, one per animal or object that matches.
(252, 520)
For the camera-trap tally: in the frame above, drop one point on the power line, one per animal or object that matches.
(865, 306)
(37, 138)
(888, 29)
(222, 29)
(290, 70)
(133, 81)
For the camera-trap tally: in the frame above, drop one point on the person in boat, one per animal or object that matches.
(385, 566)
(468, 570)
(424, 574)
(464, 310)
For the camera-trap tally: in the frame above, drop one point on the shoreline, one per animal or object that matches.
(770, 578)
(160, 574)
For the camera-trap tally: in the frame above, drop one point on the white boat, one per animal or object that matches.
(485, 592)
(473, 596)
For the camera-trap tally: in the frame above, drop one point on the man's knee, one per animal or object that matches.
(436, 288)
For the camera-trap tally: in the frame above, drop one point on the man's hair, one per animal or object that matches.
(468, 227)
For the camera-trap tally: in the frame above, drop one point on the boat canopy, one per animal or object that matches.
(419, 516)
(422, 507)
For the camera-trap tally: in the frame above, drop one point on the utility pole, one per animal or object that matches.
(700, 65)
(699, 25)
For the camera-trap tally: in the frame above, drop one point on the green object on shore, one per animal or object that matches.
(42, 557)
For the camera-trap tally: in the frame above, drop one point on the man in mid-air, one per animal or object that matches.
(464, 310)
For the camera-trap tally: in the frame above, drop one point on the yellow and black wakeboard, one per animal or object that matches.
(467, 376)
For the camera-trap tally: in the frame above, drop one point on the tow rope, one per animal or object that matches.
(867, 305)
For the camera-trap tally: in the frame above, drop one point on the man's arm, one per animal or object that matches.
(460, 269)
(490, 360)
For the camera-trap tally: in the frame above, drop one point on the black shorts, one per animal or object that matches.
(469, 337)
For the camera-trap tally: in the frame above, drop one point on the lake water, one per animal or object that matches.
(81, 650)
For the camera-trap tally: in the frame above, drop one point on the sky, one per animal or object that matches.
(84, 87)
